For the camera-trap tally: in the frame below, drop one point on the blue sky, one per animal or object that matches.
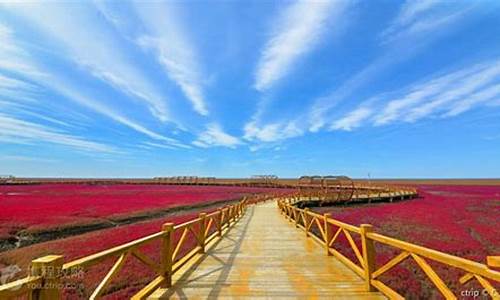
(226, 88)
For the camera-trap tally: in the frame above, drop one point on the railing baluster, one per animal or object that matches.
(328, 233)
(306, 222)
(166, 253)
(219, 222)
(202, 236)
(50, 268)
(368, 255)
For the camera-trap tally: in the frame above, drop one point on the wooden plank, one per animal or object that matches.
(149, 289)
(107, 279)
(19, 287)
(392, 294)
(335, 236)
(488, 287)
(353, 246)
(493, 261)
(433, 276)
(179, 244)
(146, 260)
(390, 264)
(264, 257)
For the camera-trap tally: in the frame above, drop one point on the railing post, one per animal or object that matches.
(306, 222)
(227, 216)
(368, 255)
(328, 233)
(219, 222)
(203, 224)
(296, 217)
(50, 268)
(166, 253)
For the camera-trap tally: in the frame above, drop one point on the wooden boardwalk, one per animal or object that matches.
(265, 257)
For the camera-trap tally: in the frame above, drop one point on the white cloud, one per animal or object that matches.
(473, 100)
(12, 57)
(214, 135)
(419, 23)
(353, 119)
(169, 41)
(297, 31)
(417, 94)
(18, 91)
(84, 39)
(12, 130)
(272, 132)
(11, 83)
(419, 17)
(25, 158)
(412, 9)
(318, 113)
(73, 93)
(148, 145)
(462, 88)
(447, 95)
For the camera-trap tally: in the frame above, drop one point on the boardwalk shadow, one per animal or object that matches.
(222, 253)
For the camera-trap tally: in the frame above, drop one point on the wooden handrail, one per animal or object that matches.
(366, 269)
(90, 260)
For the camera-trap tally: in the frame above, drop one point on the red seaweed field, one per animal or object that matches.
(459, 220)
(46, 206)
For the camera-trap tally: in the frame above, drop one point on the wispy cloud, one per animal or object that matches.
(18, 91)
(174, 51)
(481, 97)
(12, 56)
(77, 37)
(215, 136)
(418, 23)
(296, 32)
(150, 145)
(12, 83)
(273, 132)
(420, 17)
(61, 85)
(97, 106)
(448, 94)
(12, 129)
(26, 158)
(353, 119)
(445, 95)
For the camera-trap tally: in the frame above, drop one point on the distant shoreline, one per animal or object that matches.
(291, 181)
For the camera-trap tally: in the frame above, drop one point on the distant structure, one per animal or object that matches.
(326, 188)
(264, 180)
(6, 179)
(186, 180)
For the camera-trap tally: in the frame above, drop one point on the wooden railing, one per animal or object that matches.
(48, 273)
(360, 194)
(326, 231)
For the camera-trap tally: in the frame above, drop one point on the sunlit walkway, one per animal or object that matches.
(263, 256)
